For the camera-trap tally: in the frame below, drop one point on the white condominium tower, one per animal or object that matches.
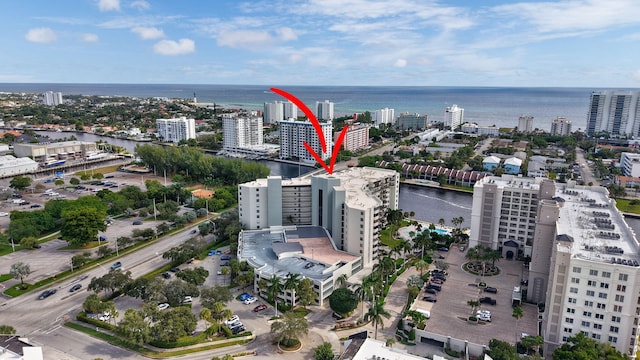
(294, 133)
(174, 130)
(324, 110)
(525, 123)
(51, 98)
(561, 126)
(614, 112)
(384, 116)
(241, 132)
(290, 110)
(453, 116)
(273, 112)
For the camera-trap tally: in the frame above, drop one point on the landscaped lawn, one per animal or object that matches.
(628, 206)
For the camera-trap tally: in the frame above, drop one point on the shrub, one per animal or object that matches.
(82, 316)
(226, 331)
(412, 334)
(401, 324)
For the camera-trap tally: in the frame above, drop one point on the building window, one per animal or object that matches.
(599, 316)
(586, 313)
(604, 285)
(568, 320)
(601, 306)
(586, 324)
(576, 270)
(620, 298)
(602, 295)
(591, 293)
(621, 288)
(606, 274)
(615, 319)
(573, 290)
(596, 336)
(572, 300)
(571, 311)
(593, 272)
(575, 280)
(591, 282)
(623, 277)
(613, 329)
(588, 303)
(568, 330)
(613, 339)
(617, 308)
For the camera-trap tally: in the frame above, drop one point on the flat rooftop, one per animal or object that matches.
(305, 250)
(599, 232)
(512, 181)
(356, 180)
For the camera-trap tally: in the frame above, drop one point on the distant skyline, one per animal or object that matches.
(567, 43)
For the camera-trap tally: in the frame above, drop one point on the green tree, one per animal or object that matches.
(81, 226)
(174, 323)
(175, 291)
(274, 288)
(290, 328)
(210, 296)
(502, 350)
(92, 304)
(531, 342)
(306, 294)
(7, 330)
(517, 314)
(79, 260)
(580, 347)
(473, 304)
(20, 271)
(20, 182)
(291, 283)
(375, 314)
(323, 351)
(74, 181)
(112, 281)
(343, 301)
(28, 242)
(196, 276)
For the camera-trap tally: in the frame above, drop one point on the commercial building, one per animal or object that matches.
(10, 166)
(503, 213)
(293, 135)
(614, 112)
(324, 110)
(175, 130)
(585, 268)
(357, 136)
(415, 121)
(384, 116)
(51, 98)
(241, 132)
(525, 123)
(55, 153)
(560, 126)
(630, 164)
(453, 116)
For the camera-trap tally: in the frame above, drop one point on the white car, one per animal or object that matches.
(231, 320)
(163, 306)
(105, 317)
(250, 300)
(4, 214)
(187, 299)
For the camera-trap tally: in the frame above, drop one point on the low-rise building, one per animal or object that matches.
(10, 166)
(59, 152)
(512, 165)
(490, 163)
(630, 164)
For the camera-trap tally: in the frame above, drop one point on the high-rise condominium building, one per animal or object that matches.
(273, 112)
(324, 110)
(357, 137)
(293, 135)
(415, 121)
(453, 116)
(525, 123)
(350, 204)
(384, 116)
(241, 132)
(290, 110)
(560, 126)
(51, 98)
(614, 112)
(174, 130)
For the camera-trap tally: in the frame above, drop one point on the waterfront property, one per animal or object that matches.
(175, 130)
(55, 153)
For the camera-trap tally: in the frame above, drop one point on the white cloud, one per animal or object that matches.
(171, 47)
(109, 5)
(148, 32)
(400, 63)
(636, 75)
(89, 37)
(286, 34)
(41, 35)
(140, 5)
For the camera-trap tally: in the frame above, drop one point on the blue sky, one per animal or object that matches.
(574, 43)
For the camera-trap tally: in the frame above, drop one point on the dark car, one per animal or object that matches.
(443, 249)
(490, 289)
(430, 299)
(238, 330)
(434, 287)
(37, 246)
(174, 270)
(45, 294)
(75, 287)
(35, 206)
(431, 291)
(137, 222)
(487, 300)
(439, 277)
(225, 263)
(193, 231)
(166, 275)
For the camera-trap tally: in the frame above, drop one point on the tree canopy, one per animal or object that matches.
(580, 347)
(343, 301)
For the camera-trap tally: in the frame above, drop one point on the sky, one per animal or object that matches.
(564, 43)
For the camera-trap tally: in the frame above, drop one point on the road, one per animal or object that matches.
(585, 170)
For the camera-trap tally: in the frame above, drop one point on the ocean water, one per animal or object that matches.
(498, 106)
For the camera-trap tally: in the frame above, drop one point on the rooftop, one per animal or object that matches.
(512, 181)
(590, 220)
(356, 180)
(370, 349)
(305, 250)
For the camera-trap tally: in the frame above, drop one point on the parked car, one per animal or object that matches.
(443, 249)
(250, 300)
(166, 275)
(238, 330)
(487, 300)
(35, 206)
(430, 299)
(174, 269)
(37, 246)
(436, 281)
(431, 291)
(105, 317)
(211, 253)
(137, 222)
(491, 290)
(116, 265)
(434, 286)
(231, 320)
(193, 231)
(462, 248)
(163, 306)
(245, 296)
(187, 299)
(75, 287)
(225, 257)
(225, 263)
(260, 308)
(337, 316)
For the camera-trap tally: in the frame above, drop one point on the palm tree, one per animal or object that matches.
(441, 221)
(291, 283)
(517, 314)
(390, 342)
(273, 289)
(341, 281)
(474, 305)
(289, 328)
(421, 265)
(375, 314)
(365, 291)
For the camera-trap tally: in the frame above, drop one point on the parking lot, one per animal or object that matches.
(449, 313)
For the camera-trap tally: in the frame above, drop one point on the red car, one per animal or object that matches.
(259, 308)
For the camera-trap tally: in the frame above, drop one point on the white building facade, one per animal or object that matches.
(525, 123)
(324, 110)
(356, 138)
(384, 116)
(560, 126)
(293, 135)
(174, 130)
(242, 132)
(614, 112)
(453, 116)
(273, 112)
(51, 98)
(630, 164)
(290, 110)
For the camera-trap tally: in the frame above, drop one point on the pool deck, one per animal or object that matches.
(404, 231)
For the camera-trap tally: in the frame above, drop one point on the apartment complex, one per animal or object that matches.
(585, 269)
(614, 112)
(350, 204)
(383, 116)
(324, 110)
(473, 128)
(174, 130)
(241, 132)
(525, 123)
(357, 136)
(560, 126)
(453, 116)
(503, 213)
(630, 164)
(51, 98)
(273, 112)
(415, 121)
(293, 135)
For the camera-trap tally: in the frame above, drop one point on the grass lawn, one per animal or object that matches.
(387, 240)
(103, 170)
(625, 205)
(89, 245)
(5, 277)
